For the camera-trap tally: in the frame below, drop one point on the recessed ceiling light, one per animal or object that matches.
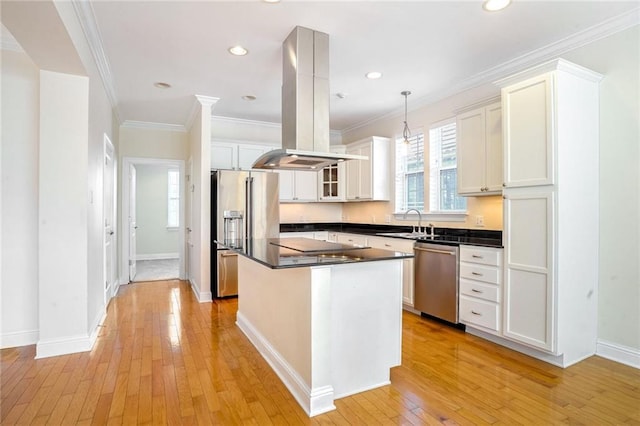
(271, 1)
(238, 51)
(249, 98)
(373, 75)
(495, 5)
(161, 85)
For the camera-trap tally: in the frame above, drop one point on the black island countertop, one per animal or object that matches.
(306, 252)
(445, 236)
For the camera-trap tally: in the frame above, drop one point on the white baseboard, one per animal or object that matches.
(157, 256)
(619, 353)
(19, 338)
(202, 296)
(69, 345)
(313, 401)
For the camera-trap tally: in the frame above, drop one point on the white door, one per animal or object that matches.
(108, 174)
(189, 221)
(132, 222)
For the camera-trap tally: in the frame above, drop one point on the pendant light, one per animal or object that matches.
(406, 133)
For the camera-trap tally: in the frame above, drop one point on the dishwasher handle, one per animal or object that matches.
(453, 253)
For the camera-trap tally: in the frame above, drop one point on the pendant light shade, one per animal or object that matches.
(406, 133)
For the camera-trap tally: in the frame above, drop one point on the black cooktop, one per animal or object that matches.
(307, 245)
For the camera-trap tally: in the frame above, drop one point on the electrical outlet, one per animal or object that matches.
(373, 218)
(387, 218)
(479, 220)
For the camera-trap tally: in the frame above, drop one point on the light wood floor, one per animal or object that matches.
(163, 358)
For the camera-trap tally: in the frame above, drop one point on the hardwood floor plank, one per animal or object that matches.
(163, 358)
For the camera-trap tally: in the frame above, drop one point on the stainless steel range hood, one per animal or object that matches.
(305, 106)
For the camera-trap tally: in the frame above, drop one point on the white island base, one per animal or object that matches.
(327, 331)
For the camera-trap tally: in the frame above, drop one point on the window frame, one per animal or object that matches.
(435, 186)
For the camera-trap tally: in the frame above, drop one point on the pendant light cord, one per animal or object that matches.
(406, 133)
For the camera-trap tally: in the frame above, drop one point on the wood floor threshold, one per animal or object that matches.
(163, 358)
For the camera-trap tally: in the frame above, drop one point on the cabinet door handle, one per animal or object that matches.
(475, 256)
(476, 273)
(387, 245)
(476, 291)
(476, 313)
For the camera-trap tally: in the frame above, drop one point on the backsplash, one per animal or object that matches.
(377, 212)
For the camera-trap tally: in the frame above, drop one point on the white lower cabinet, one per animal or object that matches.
(481, 287)
(404, 246)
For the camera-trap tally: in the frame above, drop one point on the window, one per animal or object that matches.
(173, 194)
(443, 169)
(410, 173)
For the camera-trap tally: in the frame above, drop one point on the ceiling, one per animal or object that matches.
(430, 48)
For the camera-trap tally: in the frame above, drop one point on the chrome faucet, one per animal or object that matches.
(419, 219)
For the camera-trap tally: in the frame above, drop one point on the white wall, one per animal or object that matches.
(19, 220)
(618, 59)
(153, 237)
(153, 143)
(70, 121)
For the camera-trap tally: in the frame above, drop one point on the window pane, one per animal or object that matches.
(443, 169)
(410, 173)
(173, 198)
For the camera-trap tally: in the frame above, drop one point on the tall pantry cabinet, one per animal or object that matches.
(550, 190)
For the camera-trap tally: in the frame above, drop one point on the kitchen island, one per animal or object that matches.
(328, 318)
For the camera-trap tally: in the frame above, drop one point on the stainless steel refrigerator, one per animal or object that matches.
(244, 206)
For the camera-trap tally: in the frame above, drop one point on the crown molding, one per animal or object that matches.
(232, 120)
(546, 53)
(147, 125)
(86, 17)
(7, 42)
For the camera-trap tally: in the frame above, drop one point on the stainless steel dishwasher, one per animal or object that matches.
(436, 280)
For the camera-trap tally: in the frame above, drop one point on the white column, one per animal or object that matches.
(63, 209)
(200, 146)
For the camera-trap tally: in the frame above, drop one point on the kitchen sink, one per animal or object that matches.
(409, 235)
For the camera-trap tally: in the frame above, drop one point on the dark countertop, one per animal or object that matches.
(264, 251)
(446, 236)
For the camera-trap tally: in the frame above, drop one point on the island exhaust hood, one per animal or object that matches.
(305, 106)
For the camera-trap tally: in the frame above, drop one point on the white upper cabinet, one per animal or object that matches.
(236, 156)
(298, 186)
(369, 179)
(331, 179)
(480, 150)
(529, 132)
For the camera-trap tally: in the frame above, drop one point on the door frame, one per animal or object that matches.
(124, 239)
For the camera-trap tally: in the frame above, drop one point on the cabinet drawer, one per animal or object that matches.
(477, 289)
(481, 255)
(479, 312)
(489, 274)
(356, 240)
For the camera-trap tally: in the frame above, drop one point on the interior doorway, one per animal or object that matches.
(153, 207)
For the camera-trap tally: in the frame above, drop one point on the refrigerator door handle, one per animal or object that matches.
(248, 202)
